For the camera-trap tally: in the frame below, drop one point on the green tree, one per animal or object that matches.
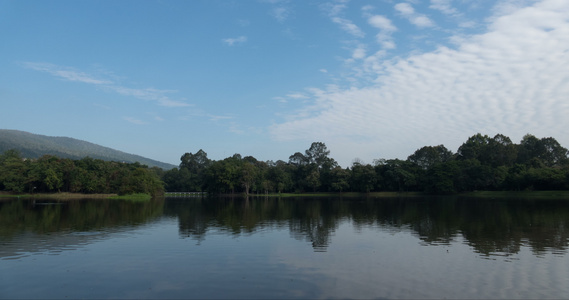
(476, 147)
(501, 151)
(313, 179)
(340, 179)
(317, 154)
(13, 171)
(428, 156)
(248, 175)
(195, 164)
(441, 178)
(363, 178)
(397, 175)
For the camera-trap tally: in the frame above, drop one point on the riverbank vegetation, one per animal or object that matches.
(51, 174)
(481, 163)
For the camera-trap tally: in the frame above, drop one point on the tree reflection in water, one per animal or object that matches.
(490, 227)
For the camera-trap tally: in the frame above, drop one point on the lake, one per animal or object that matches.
(421, 247)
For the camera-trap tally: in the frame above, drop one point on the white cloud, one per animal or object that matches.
(443, 6)
(134, 121)
(349, 27)
(381, 22)
(297, 96)
(467, 24)
(233, 41)
(280, 99)
(71, 74)
(405, 9)
(386, 28)
(65, 73)
(280, 10)
(512, 80)
(243, 22)
(280, 13)
(419, 20)
(359, 52)
(149, 94)
(333, 9)
(216, 118)
(367, 8)
(506, 7)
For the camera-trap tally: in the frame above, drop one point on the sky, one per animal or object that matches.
(266, 78)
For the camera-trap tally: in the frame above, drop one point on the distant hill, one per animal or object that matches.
(34, 146)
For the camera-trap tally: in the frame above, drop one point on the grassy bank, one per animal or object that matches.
(132, 197)
(519, 194)
(349, 194)
(477, 194)
(77, 196)
(57, 196)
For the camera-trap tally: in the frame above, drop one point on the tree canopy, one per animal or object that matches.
(53, 174)
(480, 163)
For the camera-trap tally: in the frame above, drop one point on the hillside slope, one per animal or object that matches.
(34, 146)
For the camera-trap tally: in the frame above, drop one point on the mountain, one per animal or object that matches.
(34, 146)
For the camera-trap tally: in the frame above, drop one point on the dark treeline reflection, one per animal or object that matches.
(490, 227)
(31, 226)
(48, 216)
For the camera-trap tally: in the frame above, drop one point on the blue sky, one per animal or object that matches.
(371, 79)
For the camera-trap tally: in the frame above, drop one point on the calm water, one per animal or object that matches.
(285, 248)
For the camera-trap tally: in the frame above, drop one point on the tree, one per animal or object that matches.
(340, 179)
(298, 159)
(317, 154)
(397, 175)
(363, 178)
(546, 152)
(429, 156)
(441, 177)
(196, 164)
(313, 179)
(553, 154)
(248, 175)
(281, 175)
(474, 148)
(501, 151)
(13, 171)
(223, 175)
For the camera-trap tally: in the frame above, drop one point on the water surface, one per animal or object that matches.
(285, 248)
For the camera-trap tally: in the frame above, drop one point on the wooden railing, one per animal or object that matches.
(185, 194)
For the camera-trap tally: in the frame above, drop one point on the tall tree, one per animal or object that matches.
(429, 156)
(196, 164)
(545, 152)
(476, 147)
(501, 151)
(317, 154)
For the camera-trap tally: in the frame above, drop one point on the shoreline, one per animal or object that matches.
(475, 194)
(56, 196)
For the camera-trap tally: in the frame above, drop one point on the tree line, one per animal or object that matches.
(53, 174)
(481, 163)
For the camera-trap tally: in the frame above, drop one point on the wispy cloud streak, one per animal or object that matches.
(408, 12)
(386, 28)
(70, 74)
(235, 41)
(65, 73)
